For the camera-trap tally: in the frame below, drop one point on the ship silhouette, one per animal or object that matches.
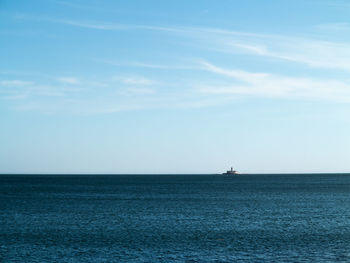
(231, 172)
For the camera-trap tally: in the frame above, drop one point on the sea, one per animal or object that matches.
(175, 218)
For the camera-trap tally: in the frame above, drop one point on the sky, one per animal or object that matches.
(90, 86)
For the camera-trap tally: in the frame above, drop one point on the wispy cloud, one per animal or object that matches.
(97, 25)
(237, 74)
(15, 83)
(92, 96)
(141, 91)
(76, 23)
(130, 63)
(271, 85)
(130, 91)
(20, 96)
(137, 81)
(91, 25)
(69, 80)
(21, 89)
(314, 52)
(187, 65)
(333, 27)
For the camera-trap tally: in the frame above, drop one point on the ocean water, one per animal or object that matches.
(175, 218)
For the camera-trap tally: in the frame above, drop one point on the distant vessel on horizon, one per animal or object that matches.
(230, 172)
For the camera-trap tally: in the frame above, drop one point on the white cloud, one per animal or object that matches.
(15, 83)
(20, 96)
(154, 66)
(68, 80)
(333, 27)
(259, 50)
(312, 51)
(133, 92)
(92, 25)
(137, 81)
(237, 74)
(132, 64)
(271, 85)
(141, 91)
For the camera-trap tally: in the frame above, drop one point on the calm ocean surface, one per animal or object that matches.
(175, 218)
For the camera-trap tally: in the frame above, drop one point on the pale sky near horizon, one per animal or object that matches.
(174, 86)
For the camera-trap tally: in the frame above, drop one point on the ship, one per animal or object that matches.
(231, 172)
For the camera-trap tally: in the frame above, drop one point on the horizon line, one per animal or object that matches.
(275, 173)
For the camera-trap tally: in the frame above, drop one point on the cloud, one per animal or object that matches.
(316, 52)
(23, 89)
(15, 83)
(277, 86)
(250, 48)
(96, 25)
(333, 27)
(141, 91)
(313, 52)
(132, 92)
(92, 25)
(237, 74)
(187, 65)
(15, 96)
(131, 64)
(60, 95)
(68, 80)
(137, 81)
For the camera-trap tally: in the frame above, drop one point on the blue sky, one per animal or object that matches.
(174, 86)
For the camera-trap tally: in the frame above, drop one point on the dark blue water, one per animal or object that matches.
(175, 218)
